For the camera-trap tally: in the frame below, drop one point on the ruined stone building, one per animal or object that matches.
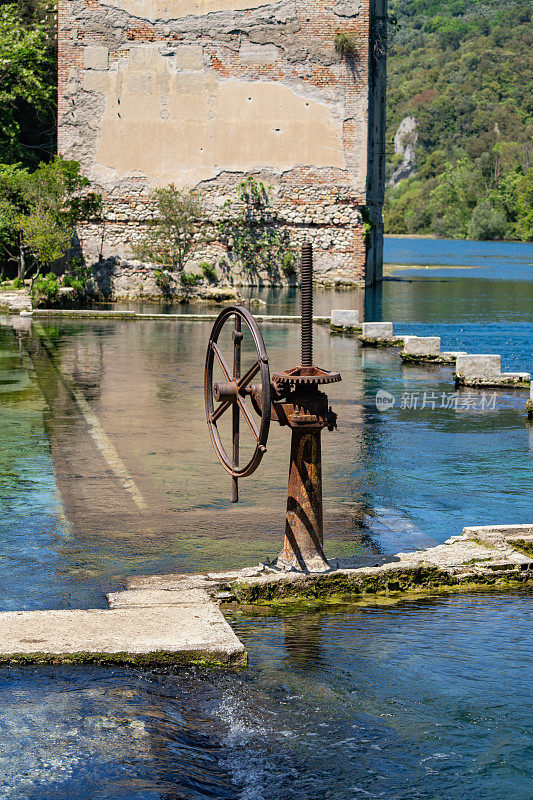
(202, 93)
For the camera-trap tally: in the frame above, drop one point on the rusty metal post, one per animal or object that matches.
(304, 529)
(306, 284)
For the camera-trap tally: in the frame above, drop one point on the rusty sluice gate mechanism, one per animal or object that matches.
(292, 398)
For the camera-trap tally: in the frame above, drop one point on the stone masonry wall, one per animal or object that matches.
(202, 93)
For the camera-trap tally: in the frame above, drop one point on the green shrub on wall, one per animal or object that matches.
(173, 234)
(252, 231)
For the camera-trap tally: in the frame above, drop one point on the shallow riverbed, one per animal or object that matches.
(425, 700)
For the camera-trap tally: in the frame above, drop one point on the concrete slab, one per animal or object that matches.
(345, 319)
(479, 366)
(144, 598)
(134, 315)
(377, 330)
(450, 356)
(421, 345)
(195, 633)
(516, 377)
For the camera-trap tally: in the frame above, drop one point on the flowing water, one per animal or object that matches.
(106, 471)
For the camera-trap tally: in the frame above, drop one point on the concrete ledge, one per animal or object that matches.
(483, 369)
(480, 559)
(98, 314)
(379, 334)
(379, 342)
(507, 380)
(377, 330)
(445, 357)
(194, 633)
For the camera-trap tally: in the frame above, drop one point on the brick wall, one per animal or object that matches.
(205, 99)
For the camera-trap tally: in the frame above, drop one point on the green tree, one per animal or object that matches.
(27, 87)
(173, 234)
(487, 222)
(524, 207)
(56, 199)
(454, 198)
(40, 210)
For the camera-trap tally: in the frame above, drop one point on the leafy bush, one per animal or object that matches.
(252, 232)
(46, 286)
(162, 280)
(288, 263)
(487, 222)
(77, 276)
(189, 278)
(173, 234)
(18, 283)
(208, 271)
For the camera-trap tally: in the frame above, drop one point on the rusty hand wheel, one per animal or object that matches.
(232, 393)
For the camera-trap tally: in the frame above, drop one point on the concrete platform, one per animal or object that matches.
(187, 633)
(494, 558)
(175, 619)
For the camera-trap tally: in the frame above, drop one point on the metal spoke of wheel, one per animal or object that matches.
(247, 377)
(248, 417)
(223, 407)
(222, 361)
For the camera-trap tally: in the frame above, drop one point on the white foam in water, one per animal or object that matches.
(248, 756)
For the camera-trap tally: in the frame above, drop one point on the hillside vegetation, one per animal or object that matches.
(462, 71)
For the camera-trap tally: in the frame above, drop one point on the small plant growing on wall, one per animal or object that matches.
(189, 278)
(173, 234)
(208, 271)
(162, 281)
(252, 232)
(345, 45)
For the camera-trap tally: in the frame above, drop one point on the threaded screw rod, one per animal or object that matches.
(306, 283)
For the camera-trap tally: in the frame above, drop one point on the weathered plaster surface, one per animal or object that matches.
(164, 9)
(164, 111)
(203, 92)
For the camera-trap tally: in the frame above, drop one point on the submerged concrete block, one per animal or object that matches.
(421, 345)
(516, 377)
(479, 367)
(344, 318)
(377, 330)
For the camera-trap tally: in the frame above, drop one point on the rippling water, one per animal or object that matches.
(423, 700)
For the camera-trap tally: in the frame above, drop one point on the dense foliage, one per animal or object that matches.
(28, 82)
(463, 70)
(173, 234)
(40, 211)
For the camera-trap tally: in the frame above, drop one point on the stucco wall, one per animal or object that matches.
(203, 92)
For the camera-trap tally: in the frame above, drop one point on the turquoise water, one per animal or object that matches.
(423, 700)
(492, 260)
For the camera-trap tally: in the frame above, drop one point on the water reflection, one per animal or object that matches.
(396, 480)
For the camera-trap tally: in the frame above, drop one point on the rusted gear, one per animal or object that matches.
(303, 376)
